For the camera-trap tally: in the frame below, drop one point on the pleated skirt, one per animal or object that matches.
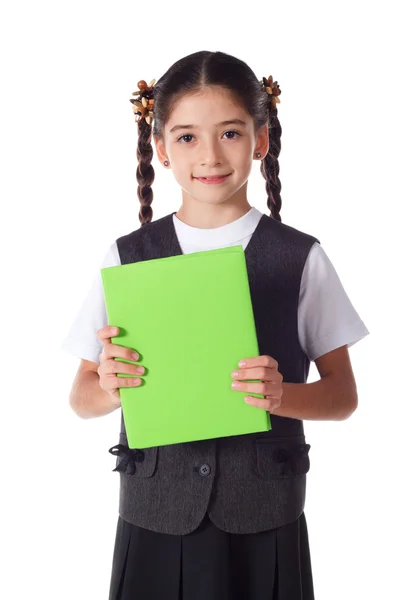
(210, 564)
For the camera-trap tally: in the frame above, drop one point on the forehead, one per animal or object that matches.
(208, 106)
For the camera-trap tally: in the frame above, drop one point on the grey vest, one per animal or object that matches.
(247, 483)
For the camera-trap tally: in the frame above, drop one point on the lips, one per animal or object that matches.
(213, 176)
(212, 180)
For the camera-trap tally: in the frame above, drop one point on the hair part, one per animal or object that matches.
(192, 74)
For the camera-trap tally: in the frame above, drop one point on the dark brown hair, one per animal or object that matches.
(188, 75)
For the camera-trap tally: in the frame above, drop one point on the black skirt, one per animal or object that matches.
(210, 564)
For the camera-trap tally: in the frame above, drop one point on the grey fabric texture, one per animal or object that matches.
(247, 483)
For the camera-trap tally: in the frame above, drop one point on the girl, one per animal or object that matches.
(224, 518)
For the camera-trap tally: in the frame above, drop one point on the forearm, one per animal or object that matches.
(88, 399)
(328, 399)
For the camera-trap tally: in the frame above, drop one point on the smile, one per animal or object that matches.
(211, 180)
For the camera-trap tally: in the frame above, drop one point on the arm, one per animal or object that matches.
(87, 399)
(333, 397)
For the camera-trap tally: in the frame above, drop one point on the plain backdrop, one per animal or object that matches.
(68, 190)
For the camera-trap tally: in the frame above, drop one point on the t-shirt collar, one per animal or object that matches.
(226, 234)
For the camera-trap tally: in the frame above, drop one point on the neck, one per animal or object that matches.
(207, 216)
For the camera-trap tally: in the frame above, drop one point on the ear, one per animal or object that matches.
(160, 150)
(262, 141)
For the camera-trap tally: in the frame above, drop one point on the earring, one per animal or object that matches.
(166, 163)
(258, 154)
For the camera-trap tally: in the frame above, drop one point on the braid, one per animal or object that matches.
(270, 167)
(144, 172)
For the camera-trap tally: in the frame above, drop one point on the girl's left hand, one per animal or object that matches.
(264, 368)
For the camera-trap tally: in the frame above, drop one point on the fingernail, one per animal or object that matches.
(235, 384)
(137, 381)
(235, 373)
(135, 356)
(114, 330)
(242, 363)
(140, 370)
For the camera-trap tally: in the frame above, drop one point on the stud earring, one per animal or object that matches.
(258, 154)
(166, 163)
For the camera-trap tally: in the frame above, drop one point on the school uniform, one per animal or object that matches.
(224, 518)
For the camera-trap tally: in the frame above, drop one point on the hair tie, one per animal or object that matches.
(144, 103)
(272, 89)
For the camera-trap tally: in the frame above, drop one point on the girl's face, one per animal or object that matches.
(207, 147)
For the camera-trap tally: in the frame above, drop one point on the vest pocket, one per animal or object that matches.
(132, 462)
(282, 459)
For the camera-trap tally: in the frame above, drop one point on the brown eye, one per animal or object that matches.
(189, 135)
(232, 131)
(184, 136)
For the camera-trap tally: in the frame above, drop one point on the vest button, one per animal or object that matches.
(205, 470)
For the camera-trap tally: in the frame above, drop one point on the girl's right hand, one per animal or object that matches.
(109, 367)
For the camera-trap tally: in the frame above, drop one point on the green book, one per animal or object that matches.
(190, 318)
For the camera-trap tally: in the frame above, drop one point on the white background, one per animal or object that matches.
(68, 190)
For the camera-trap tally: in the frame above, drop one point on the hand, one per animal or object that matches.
(109, 367)
(264, 368)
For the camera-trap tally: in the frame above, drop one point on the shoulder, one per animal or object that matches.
(320, 266)
(287, 233)
(111, 257)
(137, 235)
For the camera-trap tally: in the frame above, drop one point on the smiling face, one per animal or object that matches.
(209, 146)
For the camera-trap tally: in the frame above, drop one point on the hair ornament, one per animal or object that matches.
(143, 104)
(272, 89)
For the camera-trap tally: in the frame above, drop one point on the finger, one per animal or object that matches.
(262, 373)
(115, 351)
(114, 382)
(259, 361)
(115, 366)
(266, 389)
(118, 382)
(105, 333)
(264, 403)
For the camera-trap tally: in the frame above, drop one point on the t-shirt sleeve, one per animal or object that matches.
(82, 340)
(326, 317)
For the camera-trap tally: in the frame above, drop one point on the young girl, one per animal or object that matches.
(222, 519)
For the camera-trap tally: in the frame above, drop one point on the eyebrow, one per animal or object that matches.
(229, 122)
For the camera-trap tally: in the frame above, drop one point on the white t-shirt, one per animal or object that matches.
(326, 317)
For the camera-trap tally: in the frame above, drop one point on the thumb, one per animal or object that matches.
(105, 333)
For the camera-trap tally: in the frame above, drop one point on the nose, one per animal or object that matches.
(210, 153)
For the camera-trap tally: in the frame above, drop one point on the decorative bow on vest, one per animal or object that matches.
(290, 457)
(130, 457)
